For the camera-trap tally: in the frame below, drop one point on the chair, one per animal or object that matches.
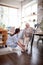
(3, 36)
(40, 38)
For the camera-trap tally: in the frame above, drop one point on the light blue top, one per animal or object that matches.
(12, 40)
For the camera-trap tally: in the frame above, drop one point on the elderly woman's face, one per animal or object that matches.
(27, 25)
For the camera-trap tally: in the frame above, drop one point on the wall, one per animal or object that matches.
(14, 3)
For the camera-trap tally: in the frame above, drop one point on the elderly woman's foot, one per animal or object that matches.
(23, 51)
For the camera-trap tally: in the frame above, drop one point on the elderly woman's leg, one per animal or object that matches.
(26, 42)
(21, 45)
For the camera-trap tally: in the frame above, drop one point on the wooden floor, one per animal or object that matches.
(34, 58)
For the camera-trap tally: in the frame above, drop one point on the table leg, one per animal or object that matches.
(32, 41)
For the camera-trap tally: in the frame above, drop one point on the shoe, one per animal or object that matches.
(5, 45)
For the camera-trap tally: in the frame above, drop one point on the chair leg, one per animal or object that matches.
(38, 42)
(42, 41)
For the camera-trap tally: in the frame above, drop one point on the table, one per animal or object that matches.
(37, 34)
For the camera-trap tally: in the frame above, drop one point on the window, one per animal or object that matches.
(9, 16)
(29, 13)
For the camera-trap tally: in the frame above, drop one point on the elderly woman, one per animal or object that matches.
(26, 35)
